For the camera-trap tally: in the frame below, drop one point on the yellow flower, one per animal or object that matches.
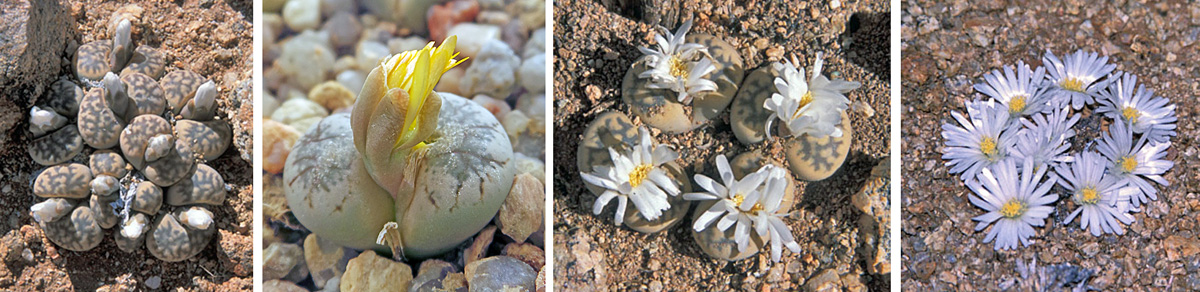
(397, 109)
(417, 72)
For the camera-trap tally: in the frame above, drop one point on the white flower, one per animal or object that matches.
(1044, 139)
(1015, 202)
(678, 65)
(1075, 76)
(1102, 200)
(1134, 164)
(638, 178)
(810, 107)
(733, 195)
(768, 222)
(750, 203)
(731, 192)
(1020, 91)
(981, 141)
(1146, 113)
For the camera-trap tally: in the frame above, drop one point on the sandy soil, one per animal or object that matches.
(949, 46)
(212, 38)
(595, 43)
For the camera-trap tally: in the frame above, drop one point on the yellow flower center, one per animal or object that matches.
(1088, 196)
(417, 72)
(1016, 104)
(988, 146)
(1131, 114)
(757, 208)
(738, 198)
(678, 67)
(1012, 209)
(639, 174)
(805, 99)
(1072, 84)
(1128, 163)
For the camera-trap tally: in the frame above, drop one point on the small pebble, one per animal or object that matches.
(332, 95)
(493, 71)
(300, 15)
(498, 273)
(370, 272)
(154, 282)
(480, 34)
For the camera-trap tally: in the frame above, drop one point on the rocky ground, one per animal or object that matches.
(208, 37)
(596, 41)
(947, 47)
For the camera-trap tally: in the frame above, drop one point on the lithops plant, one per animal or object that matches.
(443, 163)
(206, 139)
(146, 93)
(63, 221)
(107, 168)
(57, 147)
(159, 150)
(143, 201)
(179, 87)
(69, 181)
(119, 55)
(181, 234)
(99, 124)
(756, 202)
(691, 79)
(809, 114)
(55, 140)
(204, 187)
(602, 157)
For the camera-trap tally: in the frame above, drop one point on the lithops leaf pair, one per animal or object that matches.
(64, 222)
(107, 169)
(117, 55)
(150, 145)
(143, 201)
(180, 88)
(660, 108)
(455, 184)
(809, 158)
(205, 186)
(614, 131)
(445, 162)
(99, 125)
(722, 244)
(181, 234)
(55, 140)
(208, 139)
(57, 147)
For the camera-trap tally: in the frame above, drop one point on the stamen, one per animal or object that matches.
(1128, 163)
(804, 100)
(1016, 104)
(1013, 209)
(988, 146)
(678, 67)
(639, 174)
(1088, 195)
(1072, 84)
(1131, 114)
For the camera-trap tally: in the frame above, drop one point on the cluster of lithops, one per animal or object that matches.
(678, 87)
(1011, 149)
(128, 152)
